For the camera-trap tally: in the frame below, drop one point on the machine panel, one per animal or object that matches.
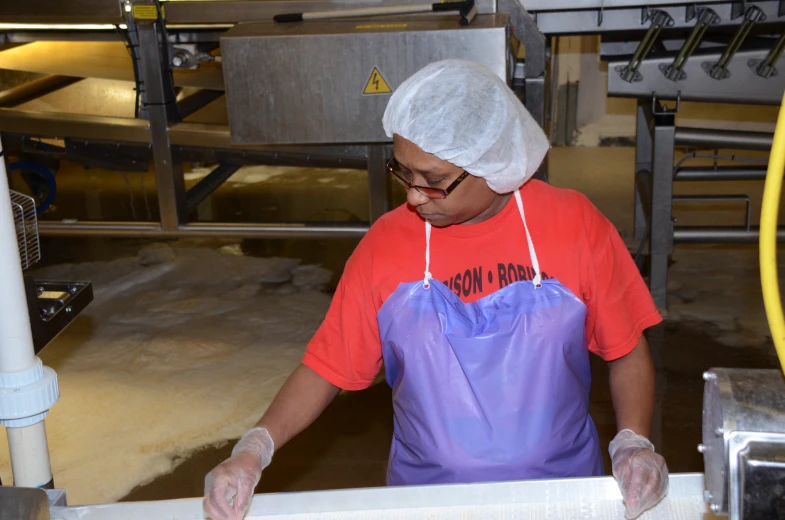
(61, 11)
(232, 11)
(329, 82)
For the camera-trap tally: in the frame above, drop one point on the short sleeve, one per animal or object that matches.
(346, 349)
(620, 305)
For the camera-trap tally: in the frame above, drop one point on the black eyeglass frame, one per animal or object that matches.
(428, 191)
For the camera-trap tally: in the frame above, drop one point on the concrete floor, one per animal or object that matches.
(348, 445)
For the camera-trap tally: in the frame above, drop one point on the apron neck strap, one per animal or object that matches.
(532, 253)
(427, 279)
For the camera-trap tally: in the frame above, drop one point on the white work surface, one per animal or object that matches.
(578, 499)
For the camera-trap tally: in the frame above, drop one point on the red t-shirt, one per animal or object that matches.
(574, 242)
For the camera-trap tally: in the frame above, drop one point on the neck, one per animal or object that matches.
(494, 209)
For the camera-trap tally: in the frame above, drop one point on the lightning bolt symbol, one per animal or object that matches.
(375, 81)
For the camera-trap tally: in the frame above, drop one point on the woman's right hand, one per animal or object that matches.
(228, 489)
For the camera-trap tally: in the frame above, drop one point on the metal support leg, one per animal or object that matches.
(160, 104)
(653, 193)
(534, 82)
(379, 187)
(662, 202)
(643, 149)
(535, 104)
(528, 34)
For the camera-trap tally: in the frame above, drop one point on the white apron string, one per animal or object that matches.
(537, 281)
(427, 279)
(532, 253)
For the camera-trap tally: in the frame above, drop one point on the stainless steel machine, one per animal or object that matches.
(318, 112)
(744, 442)
(340, 74)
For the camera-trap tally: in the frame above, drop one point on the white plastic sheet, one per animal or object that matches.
(577, 499)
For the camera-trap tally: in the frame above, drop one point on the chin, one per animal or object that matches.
(439, 222)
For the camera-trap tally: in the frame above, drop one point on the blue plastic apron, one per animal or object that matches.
(493, 390)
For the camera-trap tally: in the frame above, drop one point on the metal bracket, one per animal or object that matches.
(761, 69)
(765, 67)
(468, 12)
(738, 9)
(719, 70)
(189, 56)
(690, 12)
(600, 13)
(674, 71)
(659, 20)
(107, 155)
(53, 306)
(665, 110)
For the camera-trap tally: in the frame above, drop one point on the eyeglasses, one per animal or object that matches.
(432, 193)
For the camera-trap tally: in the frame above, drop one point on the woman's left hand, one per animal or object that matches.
(641, 473)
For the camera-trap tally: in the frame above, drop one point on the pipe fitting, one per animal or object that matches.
(26, 396)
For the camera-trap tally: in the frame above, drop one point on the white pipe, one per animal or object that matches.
(16, 340)
(29, 455)
(28, 446)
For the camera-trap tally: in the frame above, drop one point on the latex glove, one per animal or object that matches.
(229, 487)
(640, 472)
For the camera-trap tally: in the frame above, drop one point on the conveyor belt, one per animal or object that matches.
(576, 499)
(104, 60)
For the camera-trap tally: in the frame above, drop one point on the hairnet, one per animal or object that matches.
(464, 114)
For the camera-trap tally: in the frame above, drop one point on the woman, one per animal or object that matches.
(483, 297)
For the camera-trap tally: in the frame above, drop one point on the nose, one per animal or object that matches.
(415, 198)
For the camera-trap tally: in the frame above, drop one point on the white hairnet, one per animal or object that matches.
(464, 114)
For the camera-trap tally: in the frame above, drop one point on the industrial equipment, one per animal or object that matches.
(52, 305)
(323, 108)
(347, 101)
(319, 112)
(286, 103)
(744, 442)
(34, 313)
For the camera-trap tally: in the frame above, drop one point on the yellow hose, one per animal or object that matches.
(768, 238)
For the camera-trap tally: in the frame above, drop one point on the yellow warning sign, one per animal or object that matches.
(147, 12)
(376, 84)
